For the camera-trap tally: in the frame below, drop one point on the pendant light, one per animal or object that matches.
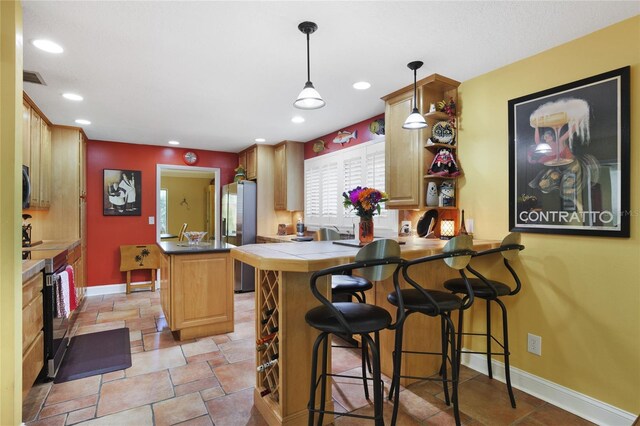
(415, 119)
(309, 98)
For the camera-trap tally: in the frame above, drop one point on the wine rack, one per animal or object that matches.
(268, 336)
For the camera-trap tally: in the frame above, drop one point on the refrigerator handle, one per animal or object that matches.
(224, 227)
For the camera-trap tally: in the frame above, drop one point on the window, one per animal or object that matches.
(164, 215)
(328, 176)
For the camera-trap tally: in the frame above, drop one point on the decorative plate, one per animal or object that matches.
(443, 132)
(318, 146)
(425, 222)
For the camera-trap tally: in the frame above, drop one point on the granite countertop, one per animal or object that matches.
(175, 247)
(31, 268)
(278, 238)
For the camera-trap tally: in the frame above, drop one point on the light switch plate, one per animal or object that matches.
(152, 220)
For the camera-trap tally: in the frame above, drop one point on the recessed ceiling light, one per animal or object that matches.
(83, 121)
(361, 85)
(72, 96)
(174, 143)
(297, 119)
(48, 46)
(260, 140)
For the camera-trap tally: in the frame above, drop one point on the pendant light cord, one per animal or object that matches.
(414, 89)
(308, 62)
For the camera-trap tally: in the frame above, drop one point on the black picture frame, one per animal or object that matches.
(122, 194)
(579, 186)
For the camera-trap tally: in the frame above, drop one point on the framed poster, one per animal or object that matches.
(122, 193)
(569, 158)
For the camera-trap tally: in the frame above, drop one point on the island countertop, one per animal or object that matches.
(315, 255)
(182, 247)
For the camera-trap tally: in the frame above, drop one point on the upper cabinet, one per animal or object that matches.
(288, 176)
(248, 159)
(408, 154)
(36, 154)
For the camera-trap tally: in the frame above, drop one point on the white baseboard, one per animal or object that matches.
(577, 403)
(99, 290)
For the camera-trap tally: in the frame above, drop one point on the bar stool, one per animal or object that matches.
(456, 255)
(376, 261)
(491, 291)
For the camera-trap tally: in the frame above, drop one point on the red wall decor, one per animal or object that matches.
(363, 132)
(105, 234)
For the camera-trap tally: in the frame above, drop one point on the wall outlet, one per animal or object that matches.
(534, 344)
(152, 220)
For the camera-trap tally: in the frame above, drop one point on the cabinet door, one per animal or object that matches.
(26, 134)
(252, 164)
(280, 178)
(242, 160)
(45, 165)
(165, 289)
(403, 155)
(34, 169)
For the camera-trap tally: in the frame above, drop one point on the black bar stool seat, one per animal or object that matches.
(348, 284)
(416, 301)
(362, 318)
(479, 288)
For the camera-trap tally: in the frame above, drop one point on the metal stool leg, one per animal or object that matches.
(314, 372)
(323, 380)
(377, 380)
(395, 380)
(454, 369)
(365, 362)
(489, 339)
(505, 340)
(446, 330)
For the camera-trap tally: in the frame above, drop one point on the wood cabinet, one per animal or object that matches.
(288, 176)
(248, 159)
(75, 260)
(36, 152)
(32, 334)
(407, 155)
(196, 293)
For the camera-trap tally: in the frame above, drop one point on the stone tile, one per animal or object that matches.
(133, 392)
(199, 347)
(71, 405)
(343, 359)
(161, 359)
(190, 372)
(136, 349)
(212, 393)
(239, 350)
(118, 315)
(234, 377)
(418, 407)
(220, 339)
(131, 304)
(34, 400)
(178, 409)
(154, 311)
(404, 419)
(198, 385)
(350, 392)
(235, 410)
(135, 335)
(447, 418)
(73, 390)
(87, 316)
(199, 421)
(114, 375)
(141, 416)
(246, 316)
(549, 414)
(159, 340)
(51, 421)
(116, 296)
(243, 330)
(141, 324)
(81, 415)
(161, 324)
(214, 358)
(94, 328)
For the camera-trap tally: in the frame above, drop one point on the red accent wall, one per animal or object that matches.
(105, 234)
(363, 135)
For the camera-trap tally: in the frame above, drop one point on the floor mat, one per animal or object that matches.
(95, 353)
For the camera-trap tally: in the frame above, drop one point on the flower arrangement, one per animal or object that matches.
(365, 201)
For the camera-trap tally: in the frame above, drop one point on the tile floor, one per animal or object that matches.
(209, 381)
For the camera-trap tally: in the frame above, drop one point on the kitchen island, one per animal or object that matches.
(196, 288)
(283, 297)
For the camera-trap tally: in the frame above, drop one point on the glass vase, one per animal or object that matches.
(366, 230)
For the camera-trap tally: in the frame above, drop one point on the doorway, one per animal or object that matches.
(187, 194)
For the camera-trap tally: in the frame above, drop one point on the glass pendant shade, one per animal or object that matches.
(309, 98)
(414, 121)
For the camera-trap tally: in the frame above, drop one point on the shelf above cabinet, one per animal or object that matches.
(437, 115)
(443, 177)
(437, 146)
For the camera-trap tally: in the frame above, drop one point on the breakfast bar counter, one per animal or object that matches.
(196, 288)
(283, 297)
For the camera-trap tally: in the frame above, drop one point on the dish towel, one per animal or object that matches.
(57, 286)
(66, 305)
(73, 300)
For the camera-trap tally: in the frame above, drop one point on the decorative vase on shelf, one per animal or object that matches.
(432, 194)
(366, 230)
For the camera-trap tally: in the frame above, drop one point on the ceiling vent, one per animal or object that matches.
(33, 77)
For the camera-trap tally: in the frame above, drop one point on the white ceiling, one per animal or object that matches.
(216, 75)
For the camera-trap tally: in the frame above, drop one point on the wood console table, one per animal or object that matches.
(283, 297)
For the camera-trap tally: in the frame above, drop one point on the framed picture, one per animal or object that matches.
(569, 158)
(122, 192)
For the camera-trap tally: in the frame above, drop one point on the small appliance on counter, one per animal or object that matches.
(300, 228)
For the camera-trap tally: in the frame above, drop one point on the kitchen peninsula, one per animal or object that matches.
(196, 288)
(283, 297)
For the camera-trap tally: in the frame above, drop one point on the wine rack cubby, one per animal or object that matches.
(268, 336)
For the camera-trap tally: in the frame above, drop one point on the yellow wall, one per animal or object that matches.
(10, 179)
(581, 294)
(193, 190)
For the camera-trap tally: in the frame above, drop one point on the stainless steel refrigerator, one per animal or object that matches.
(239, 226)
